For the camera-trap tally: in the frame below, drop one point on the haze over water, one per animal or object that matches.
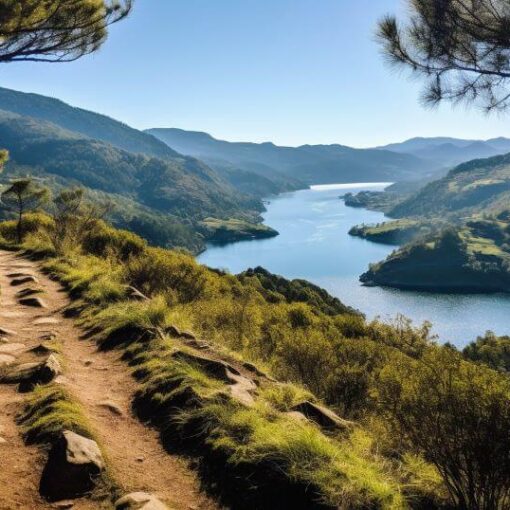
(314, 244)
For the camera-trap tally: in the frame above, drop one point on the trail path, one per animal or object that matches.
(103, 386)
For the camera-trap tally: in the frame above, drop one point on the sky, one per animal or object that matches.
(288, 71)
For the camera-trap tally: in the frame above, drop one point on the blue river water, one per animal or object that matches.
(314, 244)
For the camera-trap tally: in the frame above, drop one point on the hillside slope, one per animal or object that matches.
(89, 124)
(313, 164)
(472, 187)
(179, 188)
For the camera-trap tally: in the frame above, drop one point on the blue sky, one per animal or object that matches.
(287, 71)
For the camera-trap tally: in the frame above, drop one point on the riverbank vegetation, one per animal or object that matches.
(395, 394)
(474, 257)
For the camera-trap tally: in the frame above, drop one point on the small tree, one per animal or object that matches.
(74, 217)
(56, 30)
(21, 196)
(457, 415)
(461, 47)
(4, 157)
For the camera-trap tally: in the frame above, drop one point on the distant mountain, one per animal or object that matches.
(481, 185)
(312, 164)
(448, 152)
(181, 189)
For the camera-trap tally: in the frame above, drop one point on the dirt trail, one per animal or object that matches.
(102, 384)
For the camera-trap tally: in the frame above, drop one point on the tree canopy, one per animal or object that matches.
(461, 48)
(56, 30)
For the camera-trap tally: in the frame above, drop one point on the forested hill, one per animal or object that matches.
(180, 188)
(472, 187)
(90, 124)
(313, 164)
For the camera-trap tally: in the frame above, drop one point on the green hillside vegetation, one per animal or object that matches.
(399, 395)
(257, 181)
(395, 232)
(482, 185)
(473, 258)
(383, 201)
(164, 200)
(228, 231)
(490, 350)
(86, 123)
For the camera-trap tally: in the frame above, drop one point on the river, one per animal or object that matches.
(314, 244)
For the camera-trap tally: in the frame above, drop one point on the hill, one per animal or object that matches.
(472, 187)
(447, 152)
(89, 124)
(312, 164)
(181, 189)
(470, 258)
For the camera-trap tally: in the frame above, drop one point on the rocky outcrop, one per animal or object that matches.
(74, 464)
(323, 416)
(28, 375)
(139, 501)
(175, 332)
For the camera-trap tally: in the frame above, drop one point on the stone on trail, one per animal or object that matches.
(29, 375)
(6, 360)
(6, 332)
(11, 348)
(33, 301)
(139, 501)
(46, 320)
(2, 441)
(28, 292)
(73, 466)
(111, 406)
(23, 280)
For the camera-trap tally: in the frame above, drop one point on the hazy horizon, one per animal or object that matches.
(291, 72)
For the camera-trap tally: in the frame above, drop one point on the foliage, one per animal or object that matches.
(460, 47)
(424, 413)
(23, 195)
(490, 350)
(457, 415)
(55, 30)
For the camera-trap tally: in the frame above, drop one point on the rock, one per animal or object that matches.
(73, 466)
(64, 504)
(2, 441)
(112, 407)
(139, 501)
(135, 294)
(322, 416)
(49, 336)
(241, 389)
(6, 360)
(42, 349)
(11, 348)
(177, 333)
(214, 368)
(296, 415)
(33, 301)
(23, 280)
(88, 362)
(6, 332)
(28, 375)
(46, 320)
(27, 292)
